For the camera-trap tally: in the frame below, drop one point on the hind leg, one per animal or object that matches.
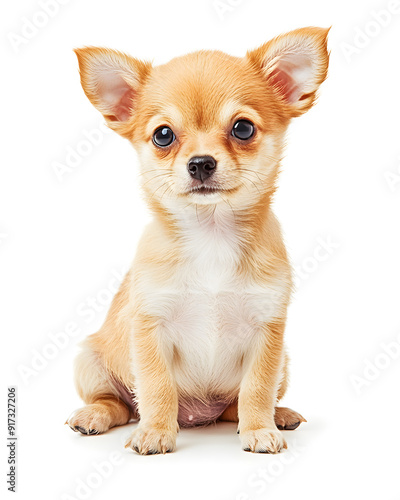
(104, 408)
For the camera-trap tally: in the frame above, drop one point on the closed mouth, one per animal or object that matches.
(205, 190)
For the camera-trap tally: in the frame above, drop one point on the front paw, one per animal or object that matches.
(151, 441)
(263, 441)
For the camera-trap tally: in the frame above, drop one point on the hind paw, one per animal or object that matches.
(90, 420)
(287, 419)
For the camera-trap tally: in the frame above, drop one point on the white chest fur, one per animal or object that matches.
(210, 317)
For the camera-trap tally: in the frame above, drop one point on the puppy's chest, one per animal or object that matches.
(217, 307)
(207, 309)
(208, 303)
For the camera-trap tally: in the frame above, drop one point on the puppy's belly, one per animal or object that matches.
(192, 411)
(195, 412)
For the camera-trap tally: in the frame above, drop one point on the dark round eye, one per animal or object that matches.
(163, 137)
(243, 129)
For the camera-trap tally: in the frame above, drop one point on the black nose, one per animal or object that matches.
(201, 167)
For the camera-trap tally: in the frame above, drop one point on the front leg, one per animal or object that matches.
(156, 393)
(258, 393)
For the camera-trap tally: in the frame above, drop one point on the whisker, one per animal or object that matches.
(258, 174)
(159, 187)
(230, 206)
(254, 184)
(168, 189)
(167, 175)
(197, 214)
(149, 171)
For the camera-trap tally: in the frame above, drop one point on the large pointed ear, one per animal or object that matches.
(294, 65)
(112, 81)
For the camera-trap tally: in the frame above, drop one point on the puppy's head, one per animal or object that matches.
(208, 127)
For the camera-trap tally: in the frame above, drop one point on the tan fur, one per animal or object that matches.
(102, 414)
(111, 344)
(200, 316)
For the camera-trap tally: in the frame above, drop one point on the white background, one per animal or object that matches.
(62, 241)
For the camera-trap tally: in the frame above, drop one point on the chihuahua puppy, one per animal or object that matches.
(196, 331)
